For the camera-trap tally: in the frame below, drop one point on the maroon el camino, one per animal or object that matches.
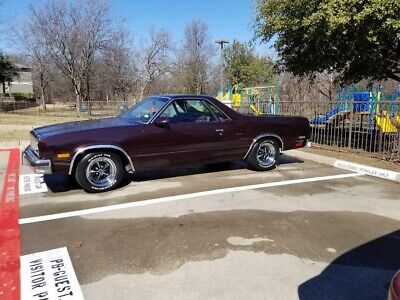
(160, 132)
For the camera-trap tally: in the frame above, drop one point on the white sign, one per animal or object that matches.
(381, 173)
(49, 275)
(31, 184)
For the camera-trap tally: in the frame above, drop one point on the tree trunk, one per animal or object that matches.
(142, 92)
(42, 88)
(78, 99)
(42, 98)
(89, 104)
(4, 87)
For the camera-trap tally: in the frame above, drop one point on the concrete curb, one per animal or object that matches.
(346, 165)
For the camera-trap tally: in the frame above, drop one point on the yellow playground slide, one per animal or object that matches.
(254, 109)
(384, 123)
(396, 121)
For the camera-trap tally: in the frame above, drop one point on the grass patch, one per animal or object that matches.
(36, 120)
(14, 135)
(16, 127)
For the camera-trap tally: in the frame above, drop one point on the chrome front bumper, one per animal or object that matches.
(40, 166)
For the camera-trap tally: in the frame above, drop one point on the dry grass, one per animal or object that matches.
(16, 127)
(36, 119)
(13, 135)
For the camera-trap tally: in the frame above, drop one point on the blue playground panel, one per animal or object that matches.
(361, 104)
(362, 101)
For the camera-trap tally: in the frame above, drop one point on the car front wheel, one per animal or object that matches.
(99, 172)
(264, 155)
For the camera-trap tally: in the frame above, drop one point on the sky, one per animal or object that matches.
(226, 19)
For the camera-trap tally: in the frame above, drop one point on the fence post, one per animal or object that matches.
(351, 123)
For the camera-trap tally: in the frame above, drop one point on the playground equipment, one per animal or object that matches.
(258, 100)
(384, 123)
(232, 96)
(369, 104)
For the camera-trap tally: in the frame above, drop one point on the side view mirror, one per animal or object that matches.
(161, 122)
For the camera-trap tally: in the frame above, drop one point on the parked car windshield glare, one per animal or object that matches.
(143, 111)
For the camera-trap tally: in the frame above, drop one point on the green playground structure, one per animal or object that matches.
(259, 100)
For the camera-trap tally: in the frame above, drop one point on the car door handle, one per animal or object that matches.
(220, 131)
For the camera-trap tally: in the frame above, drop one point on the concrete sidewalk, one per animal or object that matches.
(346, 165)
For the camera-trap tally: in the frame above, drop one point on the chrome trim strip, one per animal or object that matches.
(81, 150)
(263, 136)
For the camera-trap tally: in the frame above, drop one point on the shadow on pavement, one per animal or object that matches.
(64, 183)
(362, 273)
(60, 183)
(187, 170)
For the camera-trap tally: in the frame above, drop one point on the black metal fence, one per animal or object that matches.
(368, 125)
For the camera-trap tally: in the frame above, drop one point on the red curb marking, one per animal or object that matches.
(9, 231)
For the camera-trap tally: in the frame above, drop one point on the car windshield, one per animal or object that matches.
(143, 111)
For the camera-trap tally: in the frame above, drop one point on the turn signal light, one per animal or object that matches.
(63, 155)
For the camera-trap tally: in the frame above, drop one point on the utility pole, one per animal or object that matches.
(222, 43)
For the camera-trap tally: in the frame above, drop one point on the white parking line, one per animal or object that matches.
(180, 197)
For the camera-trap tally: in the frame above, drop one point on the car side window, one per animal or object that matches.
(219, 114)
(143, 111)
(188, 111)
(170, 112)
(198, 112)
(174, 112)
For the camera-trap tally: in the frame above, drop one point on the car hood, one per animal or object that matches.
(78, 126)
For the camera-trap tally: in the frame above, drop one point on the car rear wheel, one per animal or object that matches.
(264, 155)
(99, 172)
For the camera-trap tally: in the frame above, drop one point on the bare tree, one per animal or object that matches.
(154, 59)
(323, 87)
(74, 33)
(116, 71)
(194, 59)
(34, 47)
(326, 84)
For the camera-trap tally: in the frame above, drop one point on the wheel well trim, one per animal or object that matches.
(261, 136)
(84, 149)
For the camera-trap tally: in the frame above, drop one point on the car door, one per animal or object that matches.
(186, 131)
(235, 141)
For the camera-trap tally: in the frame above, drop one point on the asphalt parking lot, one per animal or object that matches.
(303, 230)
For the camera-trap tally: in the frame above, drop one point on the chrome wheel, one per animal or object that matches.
(101, 172)
(266, 154)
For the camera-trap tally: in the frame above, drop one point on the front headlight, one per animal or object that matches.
(34, 144)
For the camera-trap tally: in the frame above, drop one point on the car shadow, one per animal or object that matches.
(196, 169)
(63, 183)
(361, 273)
(60, 183)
